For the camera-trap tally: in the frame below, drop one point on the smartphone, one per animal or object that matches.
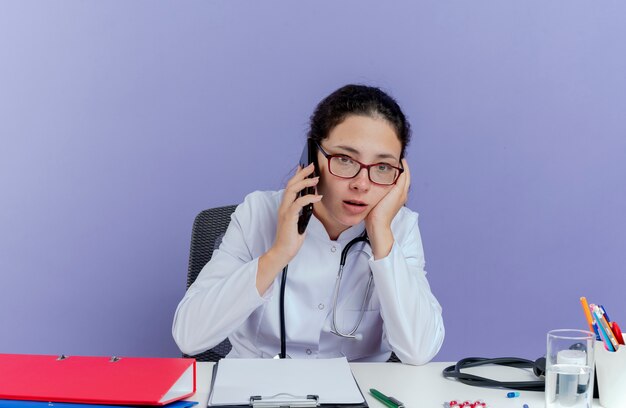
(309, 155)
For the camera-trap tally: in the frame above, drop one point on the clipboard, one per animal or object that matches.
(272, 383)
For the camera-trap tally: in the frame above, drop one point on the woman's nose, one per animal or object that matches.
(361, 181)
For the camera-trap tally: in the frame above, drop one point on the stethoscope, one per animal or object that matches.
(333, 328)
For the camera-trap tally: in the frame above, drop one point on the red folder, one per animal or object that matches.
(96, 380)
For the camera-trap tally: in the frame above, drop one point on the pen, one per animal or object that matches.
(607, 327)
(583, 302)
(391, 402)
(605, 331)
(606, 315)
(617, 332)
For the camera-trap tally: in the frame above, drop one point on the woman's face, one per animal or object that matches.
(347, 202)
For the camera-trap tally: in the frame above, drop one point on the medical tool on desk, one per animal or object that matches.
(334, 329)
(538, 366)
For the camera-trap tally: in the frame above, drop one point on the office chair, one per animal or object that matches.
(206, 235)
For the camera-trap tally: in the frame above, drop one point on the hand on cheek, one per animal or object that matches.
(378, 221)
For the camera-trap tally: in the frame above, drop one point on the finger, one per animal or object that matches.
(400, 184)
(291, 192)
(407, 170)
(297, 205)
(293, 211)
(401, 188)
(301, 173)
(308, 170)
(403, 182)
(300, 184)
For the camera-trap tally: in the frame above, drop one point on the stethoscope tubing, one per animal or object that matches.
(344, 254)
(334, 329)
(283, 333)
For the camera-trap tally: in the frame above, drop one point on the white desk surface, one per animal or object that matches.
(417, 386)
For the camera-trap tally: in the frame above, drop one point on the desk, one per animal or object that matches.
(416, 386)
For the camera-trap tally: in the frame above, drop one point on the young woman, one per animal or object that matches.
(382, 303)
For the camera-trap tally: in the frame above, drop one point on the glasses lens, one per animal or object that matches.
(382, 173)
(343, 166)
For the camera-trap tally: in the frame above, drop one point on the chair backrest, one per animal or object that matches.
(208, 229)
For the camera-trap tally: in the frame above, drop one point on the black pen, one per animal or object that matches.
(391, 402)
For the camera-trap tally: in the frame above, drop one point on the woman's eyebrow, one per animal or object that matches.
(354, 151)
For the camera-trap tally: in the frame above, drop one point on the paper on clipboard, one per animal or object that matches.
(236, 380)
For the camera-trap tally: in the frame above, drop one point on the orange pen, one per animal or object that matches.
(583, 301)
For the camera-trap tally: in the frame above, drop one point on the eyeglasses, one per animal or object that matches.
(346, 167)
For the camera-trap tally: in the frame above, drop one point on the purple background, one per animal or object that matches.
(122, 120)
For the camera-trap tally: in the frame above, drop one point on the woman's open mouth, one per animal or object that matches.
(354, 207)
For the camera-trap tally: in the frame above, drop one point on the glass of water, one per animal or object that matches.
(569, 368)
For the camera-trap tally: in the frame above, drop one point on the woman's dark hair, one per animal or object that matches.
(358, 100)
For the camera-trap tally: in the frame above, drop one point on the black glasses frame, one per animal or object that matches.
(361, 166)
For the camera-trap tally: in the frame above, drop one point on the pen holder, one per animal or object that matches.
(611, 373)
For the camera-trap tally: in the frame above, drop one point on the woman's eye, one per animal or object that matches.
(383, 168)
(345, 160)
